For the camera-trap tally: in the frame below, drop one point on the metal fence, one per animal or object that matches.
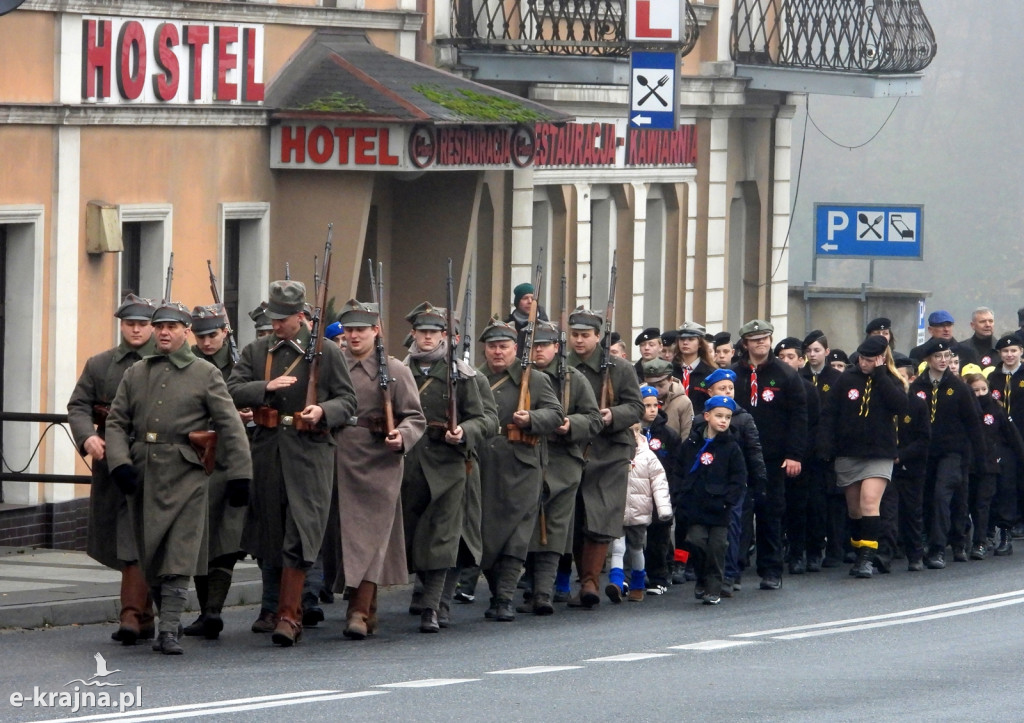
(878, 36)
(24, 476)
(554, 27)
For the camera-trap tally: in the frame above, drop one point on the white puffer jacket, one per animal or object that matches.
(648, 487)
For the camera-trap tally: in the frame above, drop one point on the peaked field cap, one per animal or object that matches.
(879, 324)
(720, 401)
(757, 327)
(940, 317)
(259, 317)
(1009, 340)
(582, 318)
(496, 330)
(690, 329)
(657, 368)
(287, 298)
(358, 314)
(172, 311)
(135, 308)
(428, 316)
(719, 375)
(873, 346)
(648, 334)
(545, 332)
(935, 345)
(208, 319)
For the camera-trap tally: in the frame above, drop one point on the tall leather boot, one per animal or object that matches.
(147, 620)
(358, 616)
(202, 594)
(134, 591)
(288, 630)
(1005, 545)
(219, 584)
(592, 560)
(371, 621)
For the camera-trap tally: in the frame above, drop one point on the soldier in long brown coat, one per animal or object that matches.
(160, 400)
(111, 540)
(292, 448)
(370, 464)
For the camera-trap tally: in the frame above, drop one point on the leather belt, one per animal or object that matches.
(270, 418)
(163, 438)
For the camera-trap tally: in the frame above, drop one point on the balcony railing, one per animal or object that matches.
(869, 36)
(553, 27)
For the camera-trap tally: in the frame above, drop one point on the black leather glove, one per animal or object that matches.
(126, 478)
(238, 492)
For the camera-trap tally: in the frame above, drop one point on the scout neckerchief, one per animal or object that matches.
(935, 397)
(686, 379)
(1006, 395)
(865, 400)
(753, 385)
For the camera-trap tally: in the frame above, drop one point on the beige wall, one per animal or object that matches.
(26, 57)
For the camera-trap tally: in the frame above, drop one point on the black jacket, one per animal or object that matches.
(708, 493)
(1008, 390)
(698, 391)
(985, 354)
(1002, 436)
(781, 409)
(859, 418)
(744, 431)
(664, 442)
(914, 435)
(823, 381)
(964, 351)
(954, 413)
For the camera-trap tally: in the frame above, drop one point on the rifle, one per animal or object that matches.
(287, 272)
(170, 277)
(232, 345)
(377, 292)
(606, 342)
(515, 434)
(453, 369)
(316, 276)
(563, 348)
(316, 339)
(467, 321)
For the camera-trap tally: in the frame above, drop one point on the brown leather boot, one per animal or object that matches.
(371, 622)
(147, 620)
(590, 574)
(134, 593)
(289, 608)
(358, 616)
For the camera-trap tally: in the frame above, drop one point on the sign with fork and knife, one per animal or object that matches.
(868, 231)
(654, 90)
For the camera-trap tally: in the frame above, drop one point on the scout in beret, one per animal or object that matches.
(838, 359)
(668, 345)
(723, 349)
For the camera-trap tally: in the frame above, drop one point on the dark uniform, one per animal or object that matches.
(111, 540)
(692, 377)
(1007, 387)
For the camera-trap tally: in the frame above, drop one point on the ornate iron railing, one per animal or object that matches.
(877, 36)
(554, 27)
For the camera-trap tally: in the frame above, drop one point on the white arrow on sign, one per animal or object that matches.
(641, 120)
(829, 247)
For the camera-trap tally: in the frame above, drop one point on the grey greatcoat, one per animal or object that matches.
(510, 474)
(434, 482)
(159, 401)
(563, 463)
(110, 530)
(224, 533)
(291, 494)
(370, 475)
(606, 475)
(472, 538)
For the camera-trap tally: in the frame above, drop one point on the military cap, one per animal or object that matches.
(407, 341)
(719, 375)
(172, 311)
(333, 331)
(581, 318)
(259, 317)
(497, 330)
(135, 308)
(358, 314)
(520, 291)
(721, 338)
(940, 317)
(428, 316)
(208, 319)
(873, 346)
(815, 335)
(669, 337)
(286, 299)
(879, 324)
(545, 332)
(647, 334)
(838, 355)
(657, 369)
(1009, 340)
(690, 329)
(307, 310)
(790, 342)
(756, 328)
(720, 401)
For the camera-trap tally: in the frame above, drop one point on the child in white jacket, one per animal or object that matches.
(648, 492)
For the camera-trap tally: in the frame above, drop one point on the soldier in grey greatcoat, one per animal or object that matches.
(370, 465)
(111, 540)
(436, 468)
(602, 494)
(160, 400)
(292, 448)
(224, 532)
(510, 464)
(563, 467)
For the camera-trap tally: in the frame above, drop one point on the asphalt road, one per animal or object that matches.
(934, 645)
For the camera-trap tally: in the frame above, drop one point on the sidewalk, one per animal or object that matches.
(57, 587)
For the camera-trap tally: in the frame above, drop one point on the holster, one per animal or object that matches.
(99, 416)
(205, 445)
(518, 436)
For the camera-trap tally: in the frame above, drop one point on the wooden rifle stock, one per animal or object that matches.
(606, 342)
(383, 376)
(515, 434)
(453, 369)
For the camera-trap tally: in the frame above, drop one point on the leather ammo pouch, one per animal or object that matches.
(517, 436)
(99, 416)
(205, 445)
(265, 416)
(435, 431)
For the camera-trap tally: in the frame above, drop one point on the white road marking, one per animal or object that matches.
(628, 657)
(427, 683)
(886, 616)
(713, 645)
(533, 670)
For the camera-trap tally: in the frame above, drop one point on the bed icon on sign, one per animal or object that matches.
(902, 228)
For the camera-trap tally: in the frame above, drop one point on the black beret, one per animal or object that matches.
(902, 360)
(874, 345)
(815, 335)
(790, 342)
(669, 337)
(879, 324)
(1008, 340)
(838, 355)
(722, 337)
(934, 346)
(647, 335)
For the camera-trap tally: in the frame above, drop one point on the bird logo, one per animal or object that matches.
(101, 672)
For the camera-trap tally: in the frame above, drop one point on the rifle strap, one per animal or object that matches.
(270, 359)
(500, 382)
(425, 384)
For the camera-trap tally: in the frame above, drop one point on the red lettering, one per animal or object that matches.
(384, 152)
(96, 58)
(165, 83)
(320, 145)
(224, 60)
(365, 146)
(643, 22)
(344, 135)
(196, 36)
(293, 144)
(131, 56)
(252, 92)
